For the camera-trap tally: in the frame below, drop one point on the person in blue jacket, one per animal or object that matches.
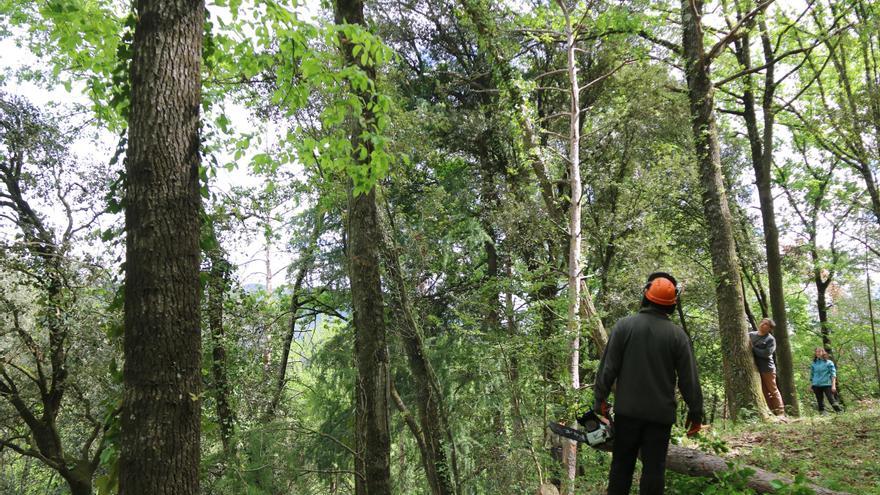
(823, 377)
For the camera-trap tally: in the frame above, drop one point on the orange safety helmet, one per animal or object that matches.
(662, 289)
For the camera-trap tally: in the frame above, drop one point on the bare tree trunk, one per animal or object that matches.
(439, 465)
(161, 410)
(761, 145)
(742, 385)
(871, 320)
(821, 303)
(574, 233)
(371, 350)
(373, 393)
(305, 266)
(218, 285)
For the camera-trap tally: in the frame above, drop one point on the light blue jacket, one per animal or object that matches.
(821, 372)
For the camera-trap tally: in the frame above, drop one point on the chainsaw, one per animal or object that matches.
(595, 433)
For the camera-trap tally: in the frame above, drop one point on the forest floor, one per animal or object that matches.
(838, 451)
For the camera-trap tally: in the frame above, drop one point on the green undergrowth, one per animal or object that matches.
(836, 451)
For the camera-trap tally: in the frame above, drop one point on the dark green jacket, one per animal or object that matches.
(645, 354)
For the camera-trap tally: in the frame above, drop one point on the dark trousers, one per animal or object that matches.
(631, 436)
(821, 393)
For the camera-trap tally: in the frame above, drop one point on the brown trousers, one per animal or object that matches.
(771, 393)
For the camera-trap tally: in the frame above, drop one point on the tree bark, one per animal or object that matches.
(373, 393)
(305, 266)
(871, 321)
(761, 146)
(370, 342)
(439, 449)
(742, 385)
(569, 451)
(162, 375)
(218, 285)
(821, 301)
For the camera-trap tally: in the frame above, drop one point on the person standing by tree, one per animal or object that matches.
(823, 377)
(763, 347)
(645, 354)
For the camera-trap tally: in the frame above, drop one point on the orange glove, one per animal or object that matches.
(692, 427)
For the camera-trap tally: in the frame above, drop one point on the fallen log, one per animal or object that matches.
(692, 462)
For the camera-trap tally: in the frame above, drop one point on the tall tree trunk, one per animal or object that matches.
(574, 233)
(439, 449)
(305, 266)
(589, 314)
(79, 485)
(821, 301)
(871, 320)
(162, 375)
(519, 426)
(373, 393)
(761, 146)
(489, 201)
(370, 342)
(218, 284)
(742, 384)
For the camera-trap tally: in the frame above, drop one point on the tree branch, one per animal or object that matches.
(735, 32)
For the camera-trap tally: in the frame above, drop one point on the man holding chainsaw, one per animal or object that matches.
(645, 355)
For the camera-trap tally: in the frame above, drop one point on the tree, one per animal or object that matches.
(217, 289)
(438, 447)
(838, 103)
(740, 375)
(38, 350)
(817, 196)
(364, 233)
(761, 141)
(162, 375)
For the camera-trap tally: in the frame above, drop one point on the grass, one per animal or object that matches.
(838, 451)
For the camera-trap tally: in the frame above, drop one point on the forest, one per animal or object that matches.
(375, 247)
